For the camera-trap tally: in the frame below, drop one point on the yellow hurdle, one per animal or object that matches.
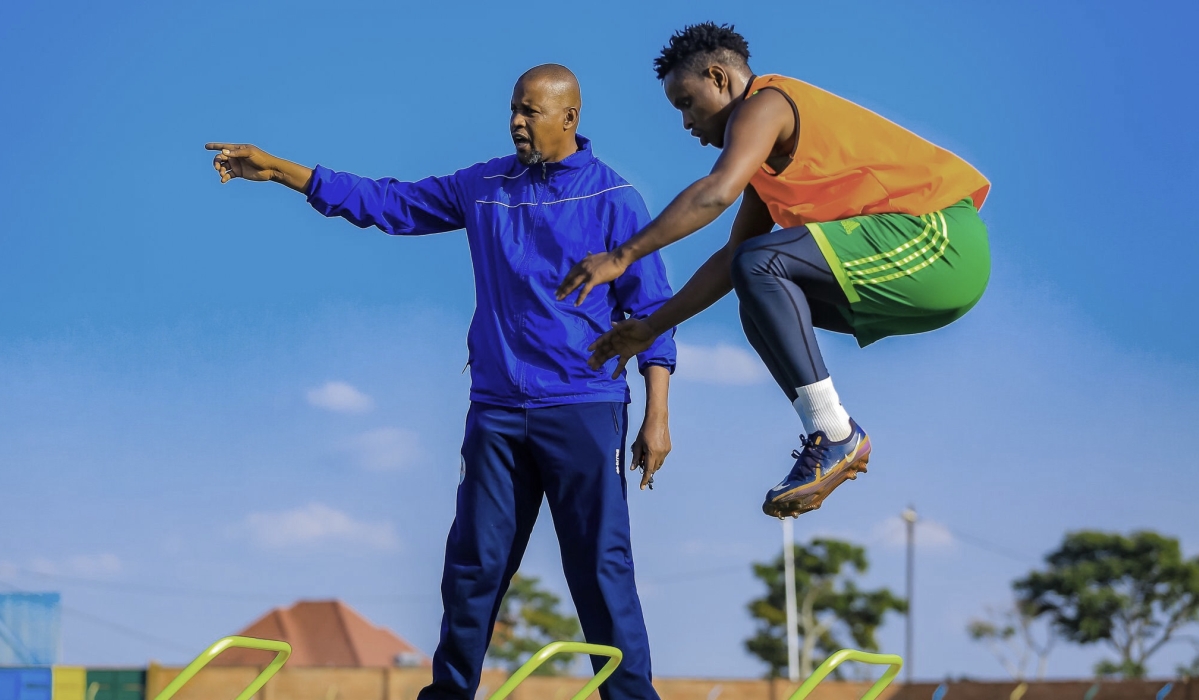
(614, 656)
(891, 661)
(282, 651)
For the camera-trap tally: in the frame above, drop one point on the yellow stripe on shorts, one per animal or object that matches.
(936, 244)
(897, 251)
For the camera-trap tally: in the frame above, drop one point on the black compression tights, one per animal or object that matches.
(786, 289)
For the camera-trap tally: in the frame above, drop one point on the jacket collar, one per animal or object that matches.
(579, 159)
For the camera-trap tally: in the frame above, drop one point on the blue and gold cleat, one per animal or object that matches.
(819, 468)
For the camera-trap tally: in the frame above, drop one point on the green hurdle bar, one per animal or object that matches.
(613, 654)
(282, 651)
(891, 661)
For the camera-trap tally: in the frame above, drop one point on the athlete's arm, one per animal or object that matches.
(252, 163)
(708, 285)
(750, 136)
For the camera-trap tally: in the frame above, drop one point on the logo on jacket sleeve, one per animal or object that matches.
(461, 469)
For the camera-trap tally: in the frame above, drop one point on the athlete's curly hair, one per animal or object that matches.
(702, 42)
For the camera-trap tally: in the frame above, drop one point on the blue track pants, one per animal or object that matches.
(574, 456)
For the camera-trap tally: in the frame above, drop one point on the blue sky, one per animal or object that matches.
(213, 401)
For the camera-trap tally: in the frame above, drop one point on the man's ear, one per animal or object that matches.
(571, 120)
(717, 75)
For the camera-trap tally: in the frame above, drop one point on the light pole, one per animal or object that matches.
(909, 517)
(789, 587)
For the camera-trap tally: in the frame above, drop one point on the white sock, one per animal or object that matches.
(820, 408)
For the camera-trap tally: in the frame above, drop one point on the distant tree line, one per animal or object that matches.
(1131, 594)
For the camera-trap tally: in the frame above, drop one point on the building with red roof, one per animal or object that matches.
(325, 633)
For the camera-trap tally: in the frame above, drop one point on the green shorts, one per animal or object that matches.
(907, 274)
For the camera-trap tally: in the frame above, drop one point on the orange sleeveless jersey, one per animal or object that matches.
(850, 161)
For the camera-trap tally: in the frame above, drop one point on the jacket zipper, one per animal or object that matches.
(524, 258)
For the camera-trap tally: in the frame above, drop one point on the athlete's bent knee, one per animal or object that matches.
(751, 258)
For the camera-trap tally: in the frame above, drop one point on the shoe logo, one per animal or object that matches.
(857, 445)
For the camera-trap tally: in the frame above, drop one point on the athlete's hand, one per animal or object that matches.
(244, 161)
(651, 447)
(625, 340)
(590, 273)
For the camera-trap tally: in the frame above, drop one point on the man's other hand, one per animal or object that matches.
(242, 160)
(651, 446)
(625, 340)
(591, 272)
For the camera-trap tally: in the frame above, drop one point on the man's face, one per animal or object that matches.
(535, 122)
(702, 103)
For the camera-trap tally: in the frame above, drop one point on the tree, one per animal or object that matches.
(1132, 593)
(1010, 636)
(830, 605)
(528, 620)
(1188, 671)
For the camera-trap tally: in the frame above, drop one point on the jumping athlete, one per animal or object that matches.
(880, 236)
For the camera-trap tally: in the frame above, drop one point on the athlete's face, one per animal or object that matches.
(704, 101)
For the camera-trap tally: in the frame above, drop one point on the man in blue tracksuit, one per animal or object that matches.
(541, 422)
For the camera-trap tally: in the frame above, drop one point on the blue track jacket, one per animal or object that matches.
(527, 226)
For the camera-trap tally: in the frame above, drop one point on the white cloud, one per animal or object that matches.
(719, 364)
(316, 524)
(103, 565)
(46, 567)
(341, 398)
(930, 534)
(386, 449)
(95, 565)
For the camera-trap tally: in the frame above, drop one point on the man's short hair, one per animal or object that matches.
(699, 44)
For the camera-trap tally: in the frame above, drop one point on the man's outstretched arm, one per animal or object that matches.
(431, 205)
(252, 163)
(749, 139)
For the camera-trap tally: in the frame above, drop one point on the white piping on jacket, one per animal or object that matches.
(506, 177)
(556, 201)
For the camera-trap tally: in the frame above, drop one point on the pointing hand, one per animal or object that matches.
(242, 160)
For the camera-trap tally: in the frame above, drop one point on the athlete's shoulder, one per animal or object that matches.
(807, 94)
(768, 108)
(768, 78)
(778, 80)
(793, 89)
